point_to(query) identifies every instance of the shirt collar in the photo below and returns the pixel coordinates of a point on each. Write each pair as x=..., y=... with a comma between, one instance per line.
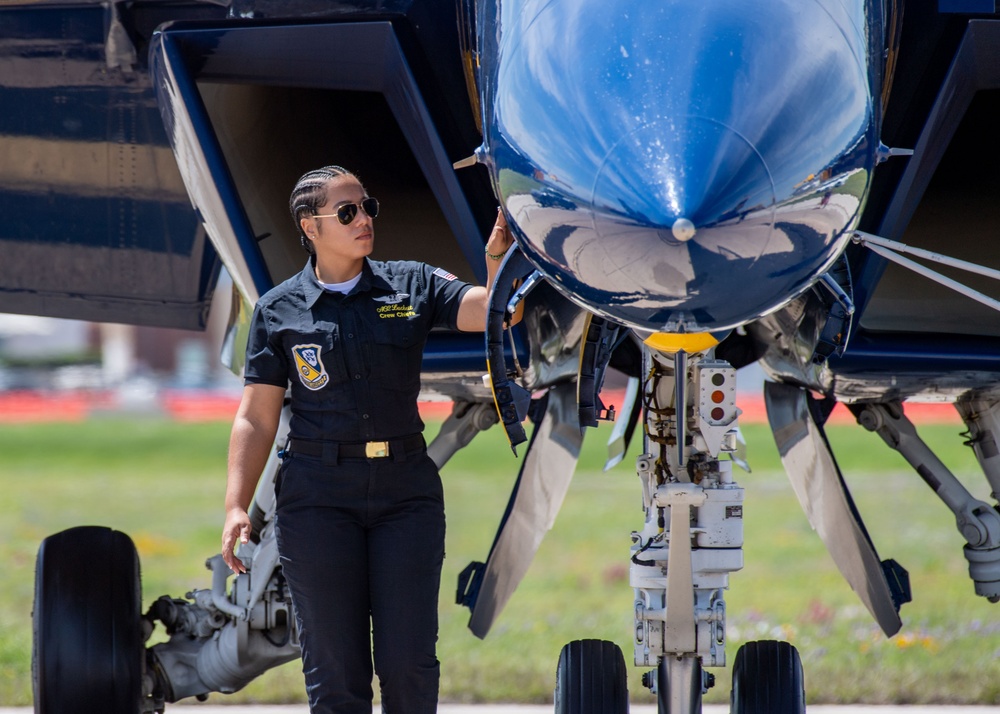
x=373, y=276
x=311, y=289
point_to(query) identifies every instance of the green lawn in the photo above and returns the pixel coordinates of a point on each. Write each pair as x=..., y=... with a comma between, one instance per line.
x=163, y=484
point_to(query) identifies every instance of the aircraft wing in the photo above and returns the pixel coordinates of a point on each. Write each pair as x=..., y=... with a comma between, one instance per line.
x=97, y=224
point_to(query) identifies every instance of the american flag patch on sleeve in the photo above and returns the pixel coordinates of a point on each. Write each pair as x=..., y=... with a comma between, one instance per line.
x=442, y=273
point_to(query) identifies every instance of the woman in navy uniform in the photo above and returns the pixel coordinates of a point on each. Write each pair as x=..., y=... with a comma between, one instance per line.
x=360, y=512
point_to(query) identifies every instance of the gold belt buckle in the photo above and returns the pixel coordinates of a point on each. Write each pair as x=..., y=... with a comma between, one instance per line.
x=376, y=449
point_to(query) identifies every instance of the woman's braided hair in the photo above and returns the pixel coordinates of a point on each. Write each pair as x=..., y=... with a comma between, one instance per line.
x=309, y=194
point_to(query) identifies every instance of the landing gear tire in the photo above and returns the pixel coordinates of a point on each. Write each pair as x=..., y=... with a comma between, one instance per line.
x=591, y=679
x=768, y=679
x=88, y=655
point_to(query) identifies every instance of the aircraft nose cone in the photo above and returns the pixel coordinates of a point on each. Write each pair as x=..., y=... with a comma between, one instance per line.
x=676, y=165
x=685, y=167
x=676, y=204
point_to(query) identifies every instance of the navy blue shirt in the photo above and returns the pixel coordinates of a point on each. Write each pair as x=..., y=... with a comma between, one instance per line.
x=353, y=360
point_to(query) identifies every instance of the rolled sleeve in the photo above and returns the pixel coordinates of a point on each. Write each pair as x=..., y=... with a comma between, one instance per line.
x=446, y=293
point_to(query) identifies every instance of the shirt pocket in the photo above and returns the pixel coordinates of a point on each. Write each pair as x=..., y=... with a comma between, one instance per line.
x=316, y=359
x=397, y=354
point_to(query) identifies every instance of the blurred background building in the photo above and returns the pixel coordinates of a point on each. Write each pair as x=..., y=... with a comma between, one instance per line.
x=44, y=353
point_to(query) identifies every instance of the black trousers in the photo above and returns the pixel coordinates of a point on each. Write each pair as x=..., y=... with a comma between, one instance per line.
x=361, y=543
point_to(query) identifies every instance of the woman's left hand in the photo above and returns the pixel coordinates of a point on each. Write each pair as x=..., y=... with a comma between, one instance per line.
x=473, y=308
x=500, y=238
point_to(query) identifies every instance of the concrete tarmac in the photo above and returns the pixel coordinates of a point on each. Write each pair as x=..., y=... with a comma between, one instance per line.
x=547, y=709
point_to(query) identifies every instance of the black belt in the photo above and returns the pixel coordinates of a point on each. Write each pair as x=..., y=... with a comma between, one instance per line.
x=364, y=450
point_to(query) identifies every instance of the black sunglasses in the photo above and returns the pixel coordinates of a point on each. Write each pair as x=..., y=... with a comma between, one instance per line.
x=347, y=213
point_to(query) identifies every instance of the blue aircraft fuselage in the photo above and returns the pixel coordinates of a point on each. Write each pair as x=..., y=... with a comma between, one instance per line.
x=682, y=166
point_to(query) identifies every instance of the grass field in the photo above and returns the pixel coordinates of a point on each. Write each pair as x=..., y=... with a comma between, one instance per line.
x=163, y=483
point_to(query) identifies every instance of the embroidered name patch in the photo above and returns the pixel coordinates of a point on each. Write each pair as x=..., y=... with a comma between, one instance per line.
x=310, y=367
x=397, y=310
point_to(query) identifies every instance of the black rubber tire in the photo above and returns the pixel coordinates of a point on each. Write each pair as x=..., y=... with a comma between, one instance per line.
x=591, y=679
x=88, y=655
x=768, y=679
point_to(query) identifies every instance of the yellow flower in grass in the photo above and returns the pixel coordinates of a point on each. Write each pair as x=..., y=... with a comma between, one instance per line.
x=149, y=544
x=906, y=640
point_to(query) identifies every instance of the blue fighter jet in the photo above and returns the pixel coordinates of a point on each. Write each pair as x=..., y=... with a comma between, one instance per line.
x=693, y=187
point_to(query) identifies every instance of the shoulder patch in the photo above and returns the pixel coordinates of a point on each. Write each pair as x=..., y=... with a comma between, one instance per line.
x=309, y=366
x=442, y=273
